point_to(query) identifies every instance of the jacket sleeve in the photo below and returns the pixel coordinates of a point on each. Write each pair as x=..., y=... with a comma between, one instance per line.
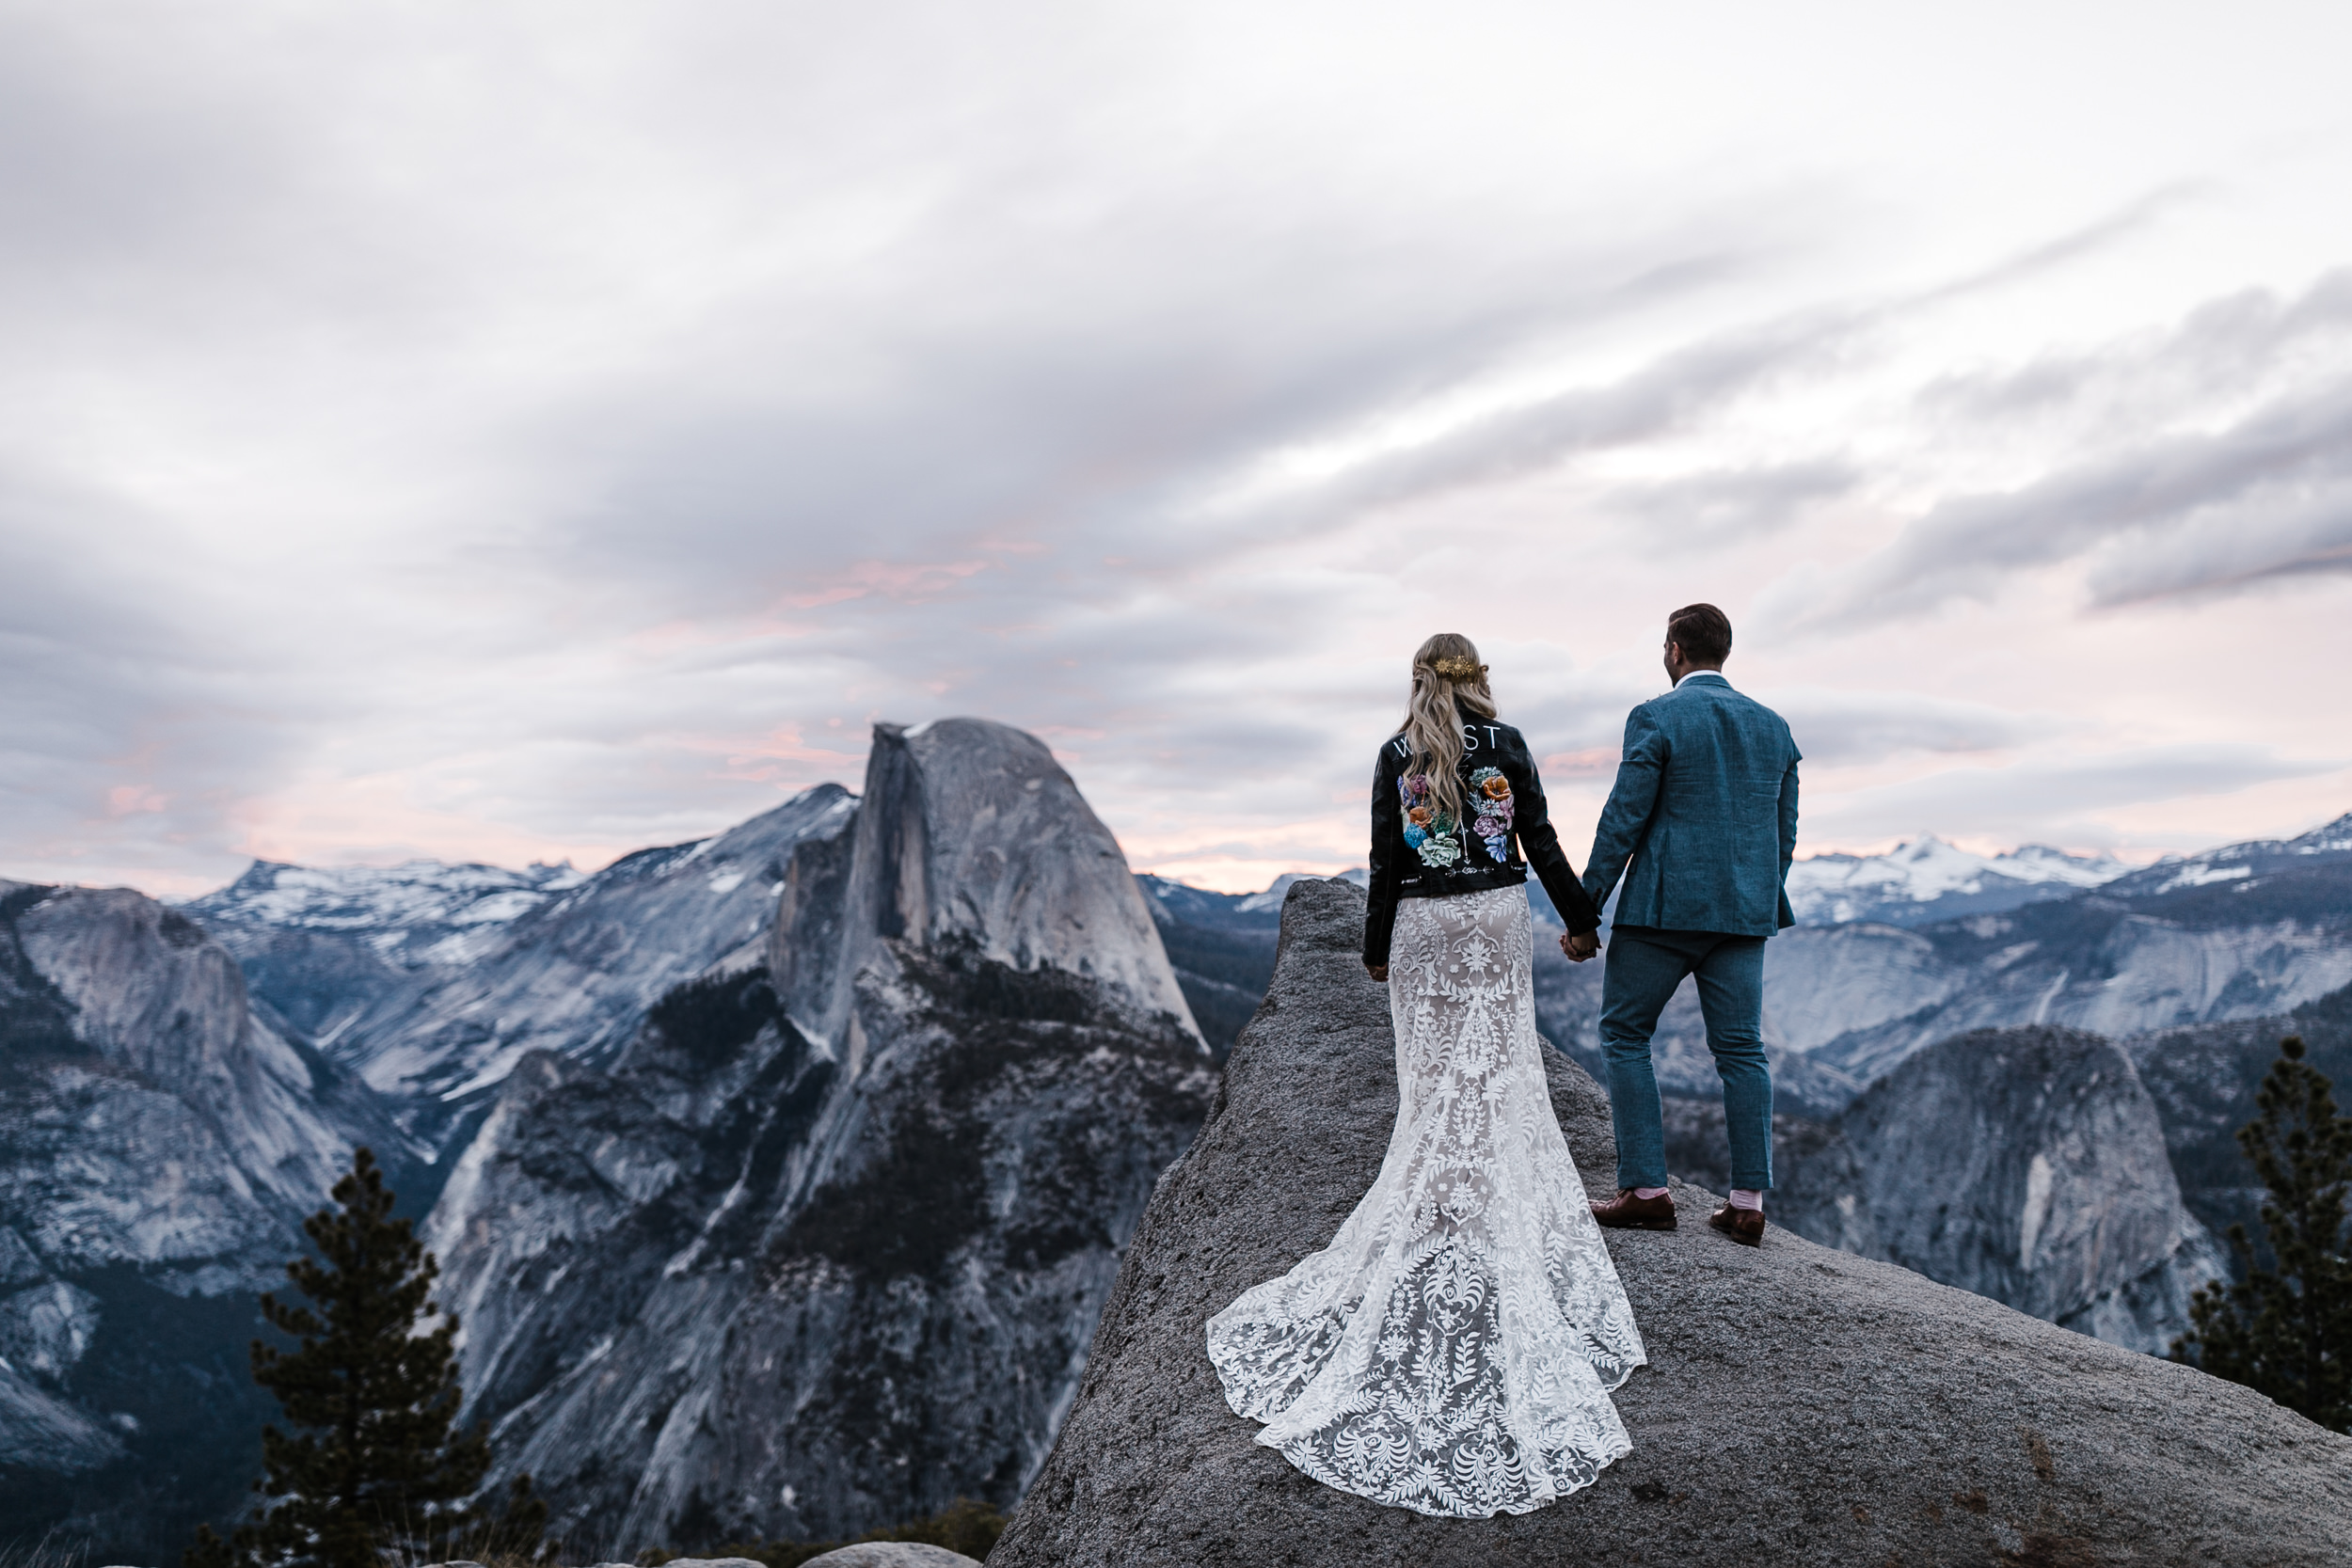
x=1631, y=799
x=1539, y=842
x=1787, y=833
x=1388, y=835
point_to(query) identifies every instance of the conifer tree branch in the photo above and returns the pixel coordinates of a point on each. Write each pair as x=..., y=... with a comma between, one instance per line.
x=374, y=1462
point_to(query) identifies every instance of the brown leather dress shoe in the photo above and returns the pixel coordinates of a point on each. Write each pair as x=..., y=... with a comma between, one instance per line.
x=1743, y=1225
x=1626, y=1213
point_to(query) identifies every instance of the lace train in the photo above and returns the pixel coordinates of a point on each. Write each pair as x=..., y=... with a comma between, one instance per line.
x=1452, y=1350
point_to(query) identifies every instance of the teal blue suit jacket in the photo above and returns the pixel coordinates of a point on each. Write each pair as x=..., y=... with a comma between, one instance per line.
x=1705, y=806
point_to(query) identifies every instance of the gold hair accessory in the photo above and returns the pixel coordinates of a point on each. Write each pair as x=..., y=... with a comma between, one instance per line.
x=1458, y=669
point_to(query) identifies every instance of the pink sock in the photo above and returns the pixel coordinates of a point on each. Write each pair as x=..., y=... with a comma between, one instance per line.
x=1649, y=1192
x=1742, y=1198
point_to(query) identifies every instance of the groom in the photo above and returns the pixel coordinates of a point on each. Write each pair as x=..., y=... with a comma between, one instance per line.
x=1705, y=807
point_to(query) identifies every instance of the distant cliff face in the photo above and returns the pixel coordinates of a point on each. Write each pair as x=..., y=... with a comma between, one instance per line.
x=2204, y=1080
x=326, y=944
x=1801, y=1405
x=2024, y=1165
x=160, y=1141
x=2241, y=933
x=433, y=992
x=825, y=1249
x=970, y=837
x=2236, y=933
x=147, y=994
x=1221, y=947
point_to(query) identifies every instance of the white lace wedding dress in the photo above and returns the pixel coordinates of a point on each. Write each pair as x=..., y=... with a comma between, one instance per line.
x=1452, y=1350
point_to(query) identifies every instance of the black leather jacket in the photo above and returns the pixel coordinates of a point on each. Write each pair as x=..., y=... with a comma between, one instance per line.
x=1417, y=854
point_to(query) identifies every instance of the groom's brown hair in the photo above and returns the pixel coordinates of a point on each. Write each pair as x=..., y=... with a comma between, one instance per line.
x=1703, y=631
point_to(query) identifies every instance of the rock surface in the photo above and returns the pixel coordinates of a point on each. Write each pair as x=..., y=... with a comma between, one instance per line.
x=151, y=1003
x=160, y=1141
x=45, y=1435
x=573, y=972
x=822, y=1252
x=970, y=836
x=1802, y=1404
x=326, y=944
x=2238, y=933
x=2204, y=1081
x=1221, y=945
x=892, y=1554
x=2024, y=1165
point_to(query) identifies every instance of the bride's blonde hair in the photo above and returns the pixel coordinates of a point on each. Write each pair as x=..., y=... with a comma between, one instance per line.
x=1446, y=673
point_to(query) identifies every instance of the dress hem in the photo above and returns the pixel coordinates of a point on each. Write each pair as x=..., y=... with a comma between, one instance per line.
x=1339, y=1483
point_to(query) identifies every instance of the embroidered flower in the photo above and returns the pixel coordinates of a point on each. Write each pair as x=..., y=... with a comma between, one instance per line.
x=1431, y=834
x=1493, y=799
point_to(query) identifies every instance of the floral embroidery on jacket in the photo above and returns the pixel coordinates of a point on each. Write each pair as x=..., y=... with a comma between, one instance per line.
x=1490, y=801
x=1432, y=833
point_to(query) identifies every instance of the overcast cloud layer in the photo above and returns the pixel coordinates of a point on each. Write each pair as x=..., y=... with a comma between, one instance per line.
x=510, y=431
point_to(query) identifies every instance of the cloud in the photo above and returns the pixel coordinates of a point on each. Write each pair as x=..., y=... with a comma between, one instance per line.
x=2266, y=494
x=2293, y=520
x=494, y=430
x=2032, y=798
x=1745, y=501
x=2103, y=234
x=1662, y=398
x=1836, y=727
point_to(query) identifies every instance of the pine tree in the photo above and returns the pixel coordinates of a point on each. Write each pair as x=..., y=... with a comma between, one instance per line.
x=2286, y=1331
x=376, y=1462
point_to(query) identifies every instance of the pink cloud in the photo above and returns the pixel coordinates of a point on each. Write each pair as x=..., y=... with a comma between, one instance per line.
x=123, y=799
x=1593, y=762
x=908, y=583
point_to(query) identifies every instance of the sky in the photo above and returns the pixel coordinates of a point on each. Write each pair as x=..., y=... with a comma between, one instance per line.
x=514, y=432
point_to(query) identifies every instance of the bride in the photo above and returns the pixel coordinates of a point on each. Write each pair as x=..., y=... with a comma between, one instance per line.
x=1452, y=1350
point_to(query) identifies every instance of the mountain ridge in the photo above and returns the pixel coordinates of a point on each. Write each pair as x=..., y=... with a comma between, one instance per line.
x=439, y=982
x=161, y=1137
x=1928, y=878
x=573, y=972
x=822, y=1249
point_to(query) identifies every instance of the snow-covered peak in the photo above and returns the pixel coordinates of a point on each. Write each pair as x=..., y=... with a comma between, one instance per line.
x=2233, y=862
x=2038, y=862
x=1929, y=878
x=1920, y=868
x=2335, y=838
x=370, y=898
